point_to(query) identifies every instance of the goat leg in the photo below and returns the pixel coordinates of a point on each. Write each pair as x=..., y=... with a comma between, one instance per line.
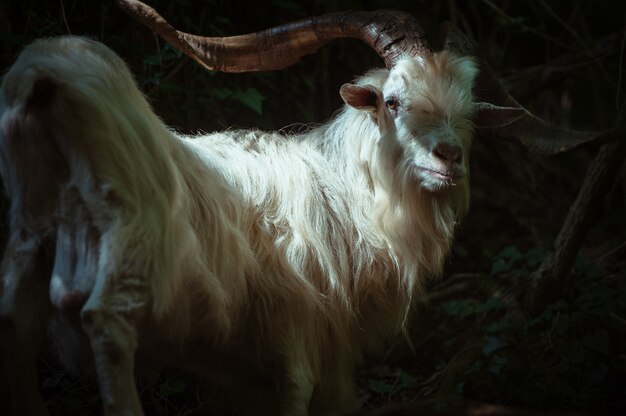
x=338, y=393
x=109, y=318
x=24, y=307
x=298, y=382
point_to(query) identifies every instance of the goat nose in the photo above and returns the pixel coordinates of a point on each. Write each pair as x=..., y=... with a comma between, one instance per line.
x=448, y=152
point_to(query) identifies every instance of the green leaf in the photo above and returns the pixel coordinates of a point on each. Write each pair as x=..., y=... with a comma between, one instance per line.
x=380, y=387
x=535, y=256
x=510, y=252
x=459, y=387
x=166, y=54
x=221, y=93
x=505, y=260
x=251, y=98
x=464, y=308
x=499, y=266
x=460, y=308
x=171, y=87
x=498, y=326
x=405, y=380
x=474, y=367
x=172, y=387
x=493, y=344
x=497, y=362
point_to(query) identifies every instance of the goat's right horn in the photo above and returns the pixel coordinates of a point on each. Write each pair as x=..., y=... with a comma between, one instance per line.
x=391, y=33
x=500, y=115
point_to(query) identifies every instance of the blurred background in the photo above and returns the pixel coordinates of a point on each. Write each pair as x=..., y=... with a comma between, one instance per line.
x=563, y=59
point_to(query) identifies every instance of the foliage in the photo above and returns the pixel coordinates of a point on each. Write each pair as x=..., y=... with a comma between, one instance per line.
x=561, y=358
x=569, y=357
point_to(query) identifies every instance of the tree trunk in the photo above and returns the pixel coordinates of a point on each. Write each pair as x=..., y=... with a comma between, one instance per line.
x=552, y=280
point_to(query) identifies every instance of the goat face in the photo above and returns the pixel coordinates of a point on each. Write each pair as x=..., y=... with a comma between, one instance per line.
x=430, y=99
x=425, y=106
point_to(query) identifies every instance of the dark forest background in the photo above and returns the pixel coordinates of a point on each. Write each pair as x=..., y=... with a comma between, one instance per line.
x=562, y=59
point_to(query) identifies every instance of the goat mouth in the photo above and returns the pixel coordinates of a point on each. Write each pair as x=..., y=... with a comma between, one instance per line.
x=447, y=176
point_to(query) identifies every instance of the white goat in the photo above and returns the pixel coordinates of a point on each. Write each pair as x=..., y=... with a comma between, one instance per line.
x=243, y=251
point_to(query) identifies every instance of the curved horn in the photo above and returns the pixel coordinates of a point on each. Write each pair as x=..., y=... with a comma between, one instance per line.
x=501, y=115
x=391, y=33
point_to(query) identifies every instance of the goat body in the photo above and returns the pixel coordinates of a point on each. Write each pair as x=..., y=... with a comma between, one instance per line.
x=295, y=255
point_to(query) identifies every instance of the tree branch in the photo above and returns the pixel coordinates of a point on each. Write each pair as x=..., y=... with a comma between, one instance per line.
x=552, y=279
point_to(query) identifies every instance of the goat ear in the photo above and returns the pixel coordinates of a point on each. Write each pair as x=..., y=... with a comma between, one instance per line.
x=362, y=97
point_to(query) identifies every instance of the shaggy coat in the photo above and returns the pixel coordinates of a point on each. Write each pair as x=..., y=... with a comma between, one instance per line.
x=254, y=258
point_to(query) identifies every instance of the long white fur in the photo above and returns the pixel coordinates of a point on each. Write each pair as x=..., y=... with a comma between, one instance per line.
x=301, y=250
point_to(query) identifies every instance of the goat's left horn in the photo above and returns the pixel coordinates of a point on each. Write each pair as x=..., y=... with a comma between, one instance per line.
x=391, y=33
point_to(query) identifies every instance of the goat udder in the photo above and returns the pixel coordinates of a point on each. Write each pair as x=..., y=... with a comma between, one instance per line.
x=73, y=301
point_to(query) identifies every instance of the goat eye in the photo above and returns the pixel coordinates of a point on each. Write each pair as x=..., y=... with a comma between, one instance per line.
x=392, y=104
